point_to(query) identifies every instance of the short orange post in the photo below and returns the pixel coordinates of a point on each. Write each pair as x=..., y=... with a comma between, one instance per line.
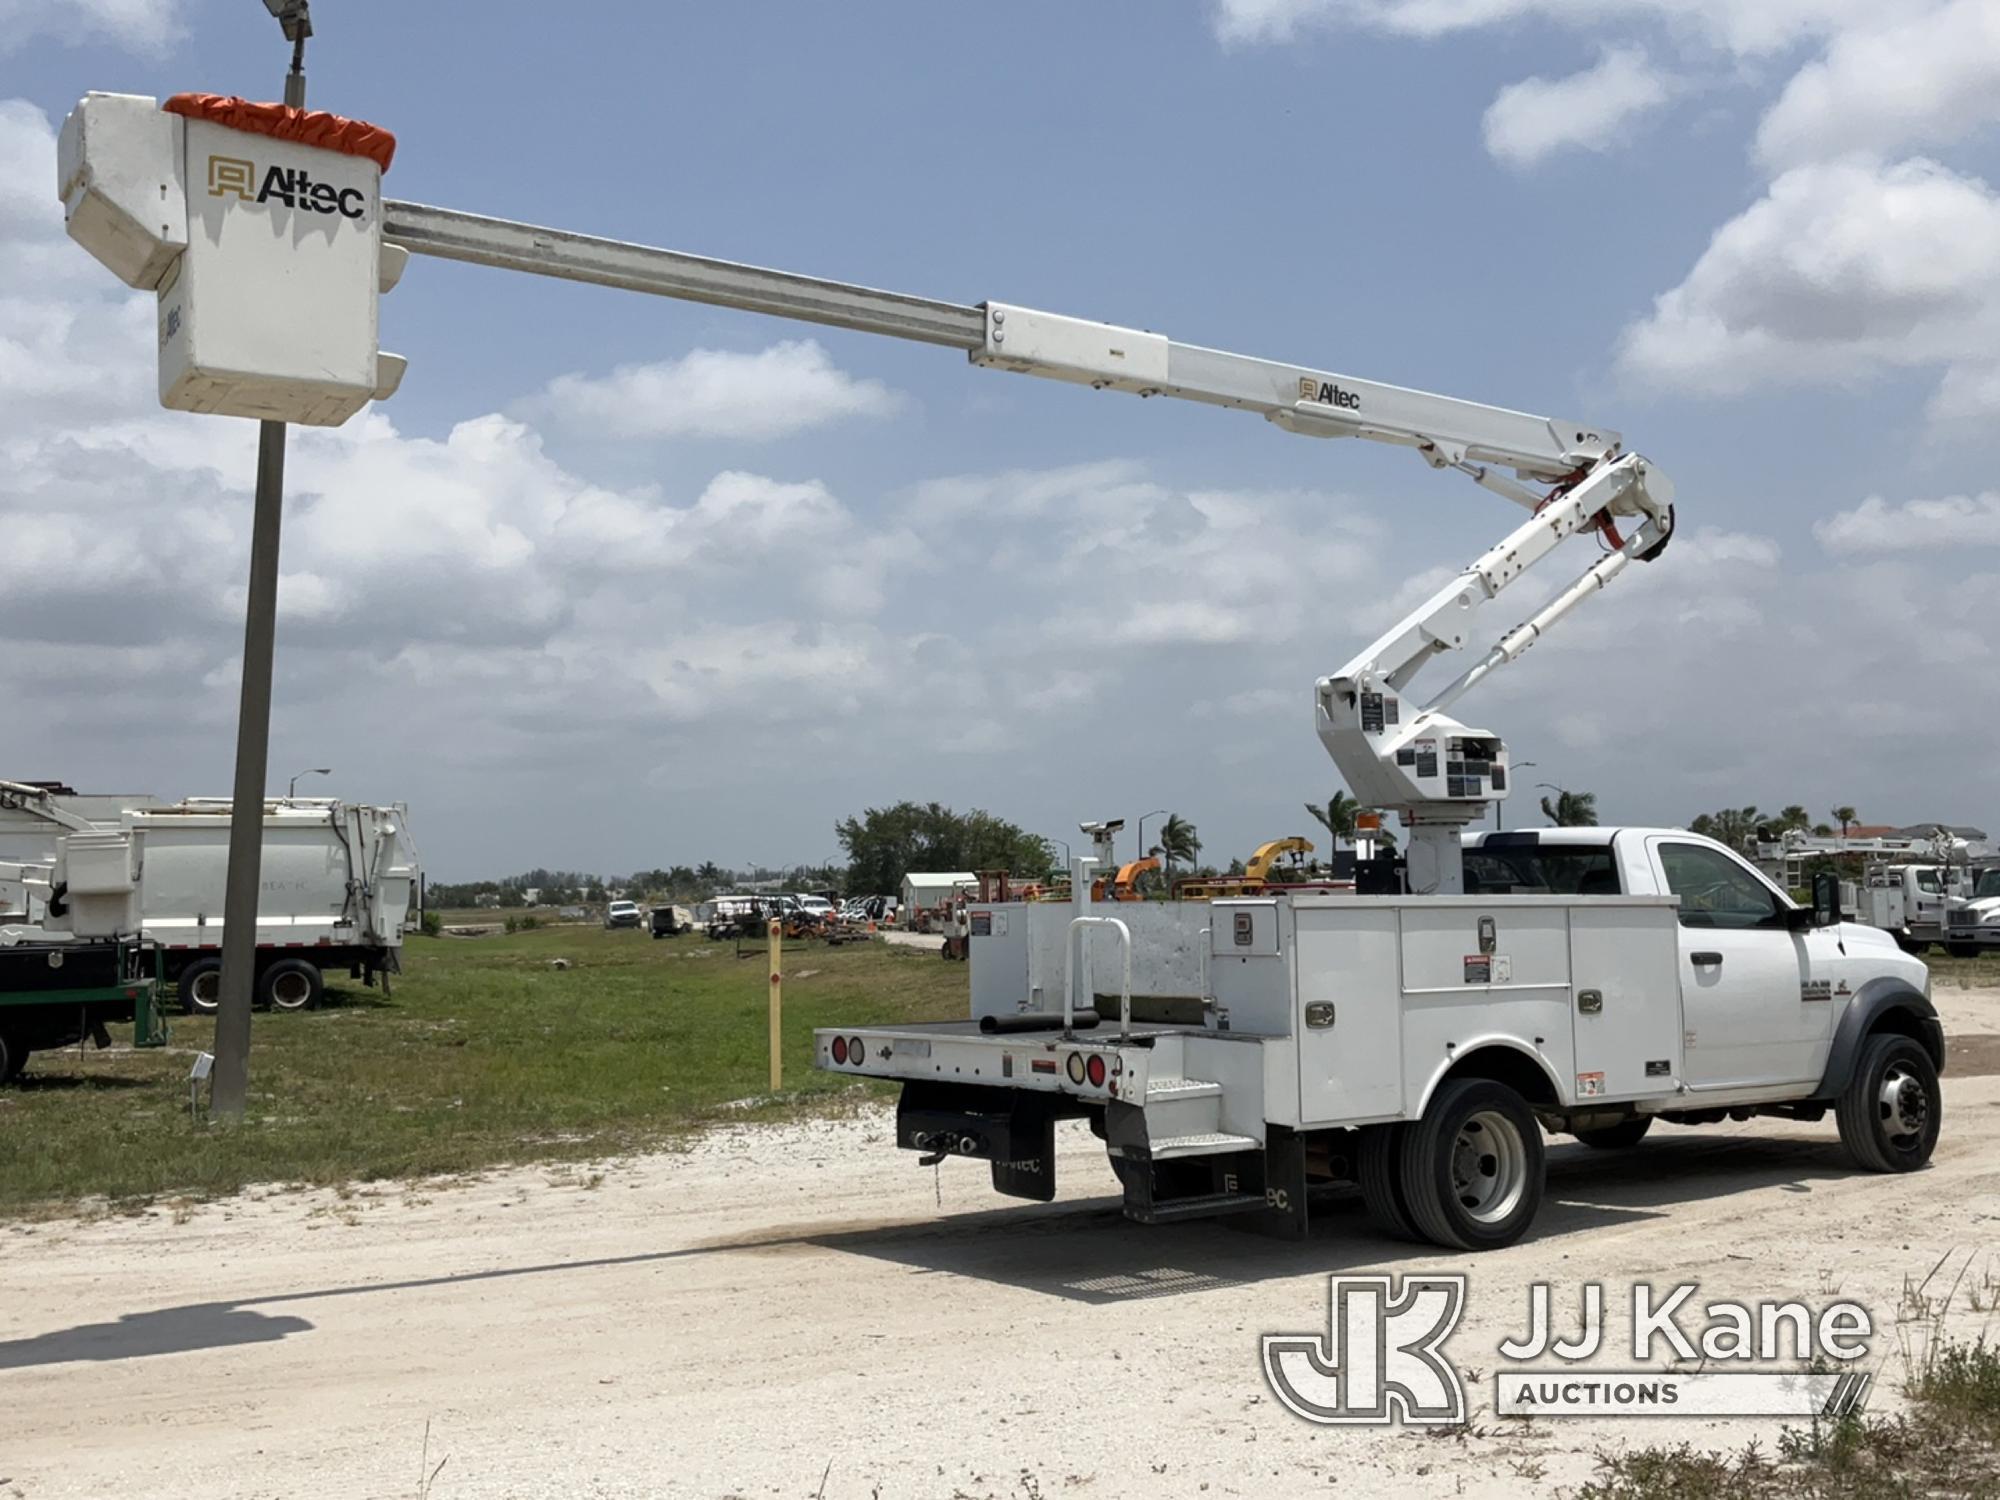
x=777, y=934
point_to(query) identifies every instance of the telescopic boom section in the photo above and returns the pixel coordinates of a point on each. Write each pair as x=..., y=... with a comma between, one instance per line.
x=1315, y=403
x=1435, y=772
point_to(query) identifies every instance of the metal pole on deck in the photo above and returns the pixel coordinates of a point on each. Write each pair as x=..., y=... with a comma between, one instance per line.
x=231, y=1082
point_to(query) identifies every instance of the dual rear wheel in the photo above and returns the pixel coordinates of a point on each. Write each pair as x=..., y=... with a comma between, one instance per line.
x=1468, y=1175
x=288, y=984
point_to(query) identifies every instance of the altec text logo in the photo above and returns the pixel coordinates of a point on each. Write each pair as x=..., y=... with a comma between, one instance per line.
x=290, y=186
x=1326, y=393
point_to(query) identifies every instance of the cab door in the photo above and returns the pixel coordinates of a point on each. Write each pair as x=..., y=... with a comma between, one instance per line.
x=1749, y=1023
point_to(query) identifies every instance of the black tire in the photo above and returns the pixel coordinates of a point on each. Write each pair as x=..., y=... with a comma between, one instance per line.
x=1962, y=950
x=1473, y=1167
x=200, y=986
x=1620, y=1137
x=1378, y=1168
x=13, y=1058
x=1891, y=1109
x=291, y=984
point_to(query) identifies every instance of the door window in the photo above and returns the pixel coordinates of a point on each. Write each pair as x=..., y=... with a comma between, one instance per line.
x=1715, y=890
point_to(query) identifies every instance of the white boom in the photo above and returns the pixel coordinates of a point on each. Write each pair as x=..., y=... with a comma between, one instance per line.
x=1432, y=770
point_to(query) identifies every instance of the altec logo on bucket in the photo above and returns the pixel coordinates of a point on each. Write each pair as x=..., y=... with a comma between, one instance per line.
x=290, y=186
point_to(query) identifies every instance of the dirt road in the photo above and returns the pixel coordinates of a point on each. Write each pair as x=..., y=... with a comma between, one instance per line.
x=800, y=1311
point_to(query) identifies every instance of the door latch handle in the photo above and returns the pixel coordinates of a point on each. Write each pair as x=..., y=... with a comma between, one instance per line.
x=1590, y=1002
x=1319, y=1014
x=1706, y=960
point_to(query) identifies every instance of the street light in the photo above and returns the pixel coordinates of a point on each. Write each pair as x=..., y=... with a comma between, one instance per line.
x=1068, y=860
x=1158, y=812
x=1500, y=803
x=292, y=787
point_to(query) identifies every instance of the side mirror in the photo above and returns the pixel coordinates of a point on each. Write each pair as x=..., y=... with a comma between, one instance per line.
x=1826, y=899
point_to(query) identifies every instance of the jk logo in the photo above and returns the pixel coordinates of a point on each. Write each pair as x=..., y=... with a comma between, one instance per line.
x=1379, y=1360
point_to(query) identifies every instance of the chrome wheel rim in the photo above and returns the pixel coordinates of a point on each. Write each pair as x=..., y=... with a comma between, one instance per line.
x=1903, y=1105
x=290, y=991
x=1489, y=1167
x=204, y=992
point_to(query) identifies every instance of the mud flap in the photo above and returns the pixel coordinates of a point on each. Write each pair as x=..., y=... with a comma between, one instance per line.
x=1032, y=1176
x=1283, y=1216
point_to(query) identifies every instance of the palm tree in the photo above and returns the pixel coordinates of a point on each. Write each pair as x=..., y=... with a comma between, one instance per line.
x=1846, y=817
x=1178, y=841
x=1337, y=816
x=1571, y=809
x=1794, y=817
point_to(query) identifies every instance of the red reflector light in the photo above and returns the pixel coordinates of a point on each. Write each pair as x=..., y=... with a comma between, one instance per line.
x=1095, y=1068
x=840, y=1049
x=1043, y=1064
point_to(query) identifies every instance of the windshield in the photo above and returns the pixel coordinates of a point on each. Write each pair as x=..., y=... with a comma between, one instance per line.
x=1989, y=884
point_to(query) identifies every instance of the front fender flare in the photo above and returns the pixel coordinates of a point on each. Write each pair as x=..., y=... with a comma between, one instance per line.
x=1874, y=1000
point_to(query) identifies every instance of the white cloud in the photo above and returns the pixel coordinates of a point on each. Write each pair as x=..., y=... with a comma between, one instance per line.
x=1592, y=110
x=1747, y=27
x=1840, y=271
x=1926, y=78
x=788, y=388
x=1968, y=393
x=139, y=25
x=1875, y=525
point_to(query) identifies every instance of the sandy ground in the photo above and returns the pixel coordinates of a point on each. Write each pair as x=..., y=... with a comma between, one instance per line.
x=801, y=1310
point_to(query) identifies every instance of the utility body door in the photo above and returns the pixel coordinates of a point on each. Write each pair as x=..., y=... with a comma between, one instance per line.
x=1750, y=1023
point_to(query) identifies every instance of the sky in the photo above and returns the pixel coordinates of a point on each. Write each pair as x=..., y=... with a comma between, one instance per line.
x=615, y=582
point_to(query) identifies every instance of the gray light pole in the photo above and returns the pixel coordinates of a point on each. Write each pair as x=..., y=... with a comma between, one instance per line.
x=1068, y=859
x=292, y=786
x=230, y=1082
x=1158, y=812
x=1500, y=803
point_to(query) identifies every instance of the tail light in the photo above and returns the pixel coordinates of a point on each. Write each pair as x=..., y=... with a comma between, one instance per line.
x=1076, y=1068
x=1095, y=1068
x=839, y=1049
x=856, y=1053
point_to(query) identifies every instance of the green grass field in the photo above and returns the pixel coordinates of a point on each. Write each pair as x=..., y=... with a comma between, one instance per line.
x=483, y=1055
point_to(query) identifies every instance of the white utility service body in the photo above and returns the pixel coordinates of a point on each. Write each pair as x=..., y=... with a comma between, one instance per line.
x=1320, y=1016
x=337, y=884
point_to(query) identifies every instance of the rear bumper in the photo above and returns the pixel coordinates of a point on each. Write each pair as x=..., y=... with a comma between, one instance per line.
x=958, y=1053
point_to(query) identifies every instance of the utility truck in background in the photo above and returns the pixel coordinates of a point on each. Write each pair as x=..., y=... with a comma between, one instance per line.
x=84, y=965
x=1417, y=1035
x=338, y=884
x=1910, y=888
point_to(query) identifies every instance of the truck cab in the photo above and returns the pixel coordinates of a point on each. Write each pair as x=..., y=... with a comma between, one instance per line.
x=1586, y=982
x=1972, y=926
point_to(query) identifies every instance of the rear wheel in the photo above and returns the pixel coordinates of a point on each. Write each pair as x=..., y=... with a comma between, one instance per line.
x=1622, y=1136
x=1891, y=1109
x=1962, y=950
x=1378, y=1167
x=201, y=986
x=292, y=984
x=13, y=1057
x=1473, y=1166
